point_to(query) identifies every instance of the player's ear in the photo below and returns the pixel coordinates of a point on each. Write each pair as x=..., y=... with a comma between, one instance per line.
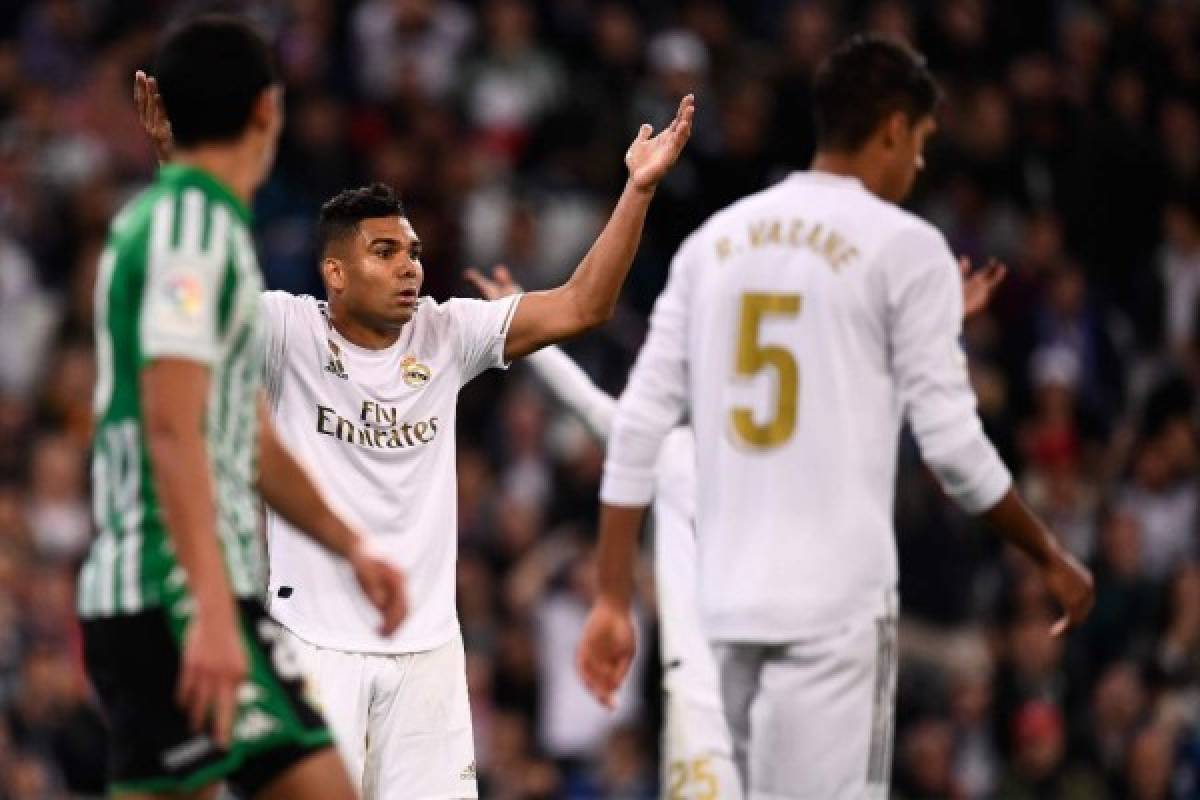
x=333, y=272
x=267, y=113
x=896, y=129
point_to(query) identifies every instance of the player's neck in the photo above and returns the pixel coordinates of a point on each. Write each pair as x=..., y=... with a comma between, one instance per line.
x=227, y=164
x=359, y=333
x=851, y=165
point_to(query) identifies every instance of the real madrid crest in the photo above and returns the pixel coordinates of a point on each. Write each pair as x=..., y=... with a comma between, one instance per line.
x=415, y=373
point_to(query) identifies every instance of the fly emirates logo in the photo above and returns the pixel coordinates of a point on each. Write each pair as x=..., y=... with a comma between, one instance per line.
x=376, y=428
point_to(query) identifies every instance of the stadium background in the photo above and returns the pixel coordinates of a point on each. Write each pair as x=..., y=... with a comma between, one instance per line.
x=1070, y=147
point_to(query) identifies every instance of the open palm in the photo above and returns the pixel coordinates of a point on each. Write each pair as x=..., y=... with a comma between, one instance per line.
x=649, y=157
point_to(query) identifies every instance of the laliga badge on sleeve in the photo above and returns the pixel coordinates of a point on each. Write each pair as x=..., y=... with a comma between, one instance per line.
x=415, y=373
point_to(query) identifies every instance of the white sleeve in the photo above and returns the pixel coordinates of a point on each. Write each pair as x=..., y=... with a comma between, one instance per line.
x=567, y=381
x=274, y=312
x=183, y=282
x=924, y=312
x=482, y=327
x=655, y=399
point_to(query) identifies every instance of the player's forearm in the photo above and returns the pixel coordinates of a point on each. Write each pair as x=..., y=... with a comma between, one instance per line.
x=574, y=389
x=596, y=282
x=286, y=487
x=1016, y=524
x=616, y=552
x=183, y=483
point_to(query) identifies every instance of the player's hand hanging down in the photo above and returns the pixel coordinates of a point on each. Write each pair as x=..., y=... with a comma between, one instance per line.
x=213, y=667
x=383, y=585
x=153, y=114
x=649, y=157
x=606, y=650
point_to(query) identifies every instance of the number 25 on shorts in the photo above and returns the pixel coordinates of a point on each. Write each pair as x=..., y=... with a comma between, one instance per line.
x=692, y=780
x=752, y=357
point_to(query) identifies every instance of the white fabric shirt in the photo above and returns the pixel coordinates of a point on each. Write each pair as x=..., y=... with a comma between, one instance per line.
x=799, y=328
x=375, y=428
x=688, y=665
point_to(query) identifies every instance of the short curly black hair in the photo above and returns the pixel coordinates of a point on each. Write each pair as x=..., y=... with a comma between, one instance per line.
x=211, y=70
x=341, y=214
x=862, y=82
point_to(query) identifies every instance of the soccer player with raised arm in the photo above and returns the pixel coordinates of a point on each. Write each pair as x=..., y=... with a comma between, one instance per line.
x=799, y=329
x=198, y=684
x=365, y=390
x=697, y=748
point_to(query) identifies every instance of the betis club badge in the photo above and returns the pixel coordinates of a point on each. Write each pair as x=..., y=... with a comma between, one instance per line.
x=414, y=372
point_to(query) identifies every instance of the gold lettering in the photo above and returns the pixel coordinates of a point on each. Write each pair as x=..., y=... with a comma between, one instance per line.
x=433, y=421
x=367, y=408
x=419, y=431
x=724, y=248
x=389, y=416
x=394, y=439
x=814, y=237
x=756, y=233
x=794, y=232
x=345, y=430
x=775, y=232
x=379, y=434
x=405, y=429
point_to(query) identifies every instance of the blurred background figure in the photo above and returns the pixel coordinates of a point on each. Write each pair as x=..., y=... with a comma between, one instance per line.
x=1070, y=145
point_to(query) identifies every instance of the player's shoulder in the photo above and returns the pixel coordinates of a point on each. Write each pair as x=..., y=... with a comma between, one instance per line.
x=279, y=306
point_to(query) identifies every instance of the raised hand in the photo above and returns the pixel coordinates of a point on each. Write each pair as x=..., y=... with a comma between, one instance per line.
x=153, y=114
x=979, y=284
x=606, y=651
x=501, y=284
x=649, y=157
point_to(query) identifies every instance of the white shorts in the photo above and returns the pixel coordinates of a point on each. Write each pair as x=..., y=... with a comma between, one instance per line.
x=402, y=722
x=697, y=751
x=813, y=719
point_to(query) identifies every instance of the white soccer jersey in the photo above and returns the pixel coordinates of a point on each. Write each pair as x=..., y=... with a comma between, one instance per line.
x=800, y=327
x=376, y=429
x=688, y=666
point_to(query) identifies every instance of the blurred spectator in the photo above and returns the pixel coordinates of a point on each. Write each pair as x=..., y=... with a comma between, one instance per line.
x=1040, y=767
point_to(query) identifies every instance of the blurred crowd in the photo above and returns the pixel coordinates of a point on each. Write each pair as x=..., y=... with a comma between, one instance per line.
x=1069, y=147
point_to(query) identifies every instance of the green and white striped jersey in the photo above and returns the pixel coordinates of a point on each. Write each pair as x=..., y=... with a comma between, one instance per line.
x=178, y=279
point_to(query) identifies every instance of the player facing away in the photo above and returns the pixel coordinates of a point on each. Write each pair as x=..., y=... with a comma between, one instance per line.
x=364, y=388
x=198, y=685
x=697, y=748
x=799, y=329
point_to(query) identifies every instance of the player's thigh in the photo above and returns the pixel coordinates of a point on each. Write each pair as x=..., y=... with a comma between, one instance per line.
x=697, y=751
x=320, y=776
x=822, y=722
x=339, y=684
x=419, y=734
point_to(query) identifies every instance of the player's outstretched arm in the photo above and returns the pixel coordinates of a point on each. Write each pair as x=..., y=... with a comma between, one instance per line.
x=562, y=376
x=173, y=393
x=589, y=297
x=287, y=488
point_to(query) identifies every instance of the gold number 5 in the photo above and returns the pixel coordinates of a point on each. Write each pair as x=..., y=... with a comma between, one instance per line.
x=753, y=358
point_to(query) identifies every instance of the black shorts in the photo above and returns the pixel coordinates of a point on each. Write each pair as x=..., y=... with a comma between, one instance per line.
x=133, y=661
